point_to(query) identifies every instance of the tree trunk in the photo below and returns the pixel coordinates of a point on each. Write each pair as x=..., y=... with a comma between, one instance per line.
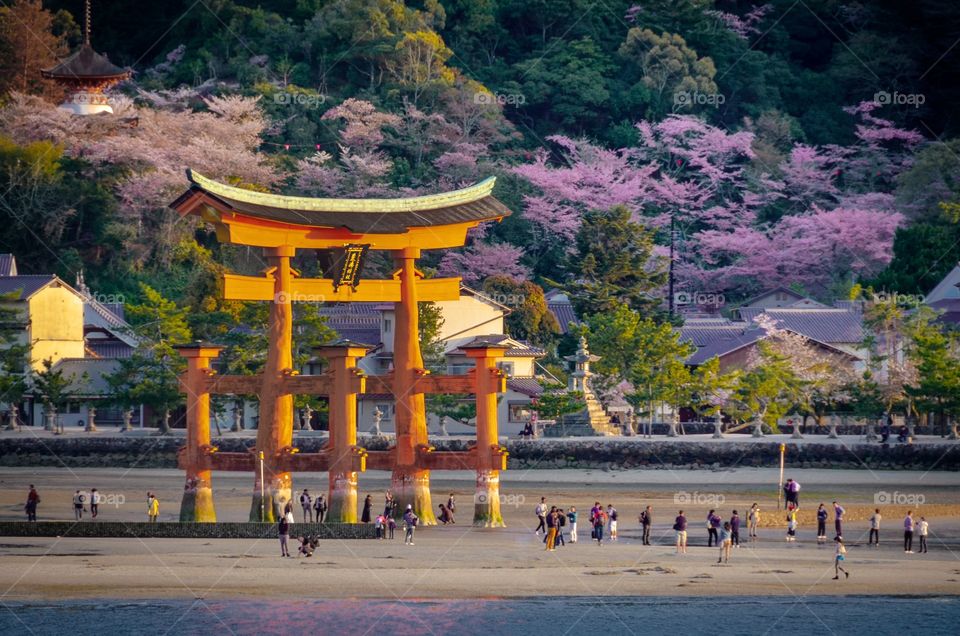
x=164, y=428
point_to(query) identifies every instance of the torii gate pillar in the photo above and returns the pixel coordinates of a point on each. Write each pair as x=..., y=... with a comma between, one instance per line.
x=491, y=457
x=197, y=502
x=410, y=481
x=276, y=406
x=342, y=472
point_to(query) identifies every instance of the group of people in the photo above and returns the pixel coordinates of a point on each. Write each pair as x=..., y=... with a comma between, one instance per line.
x=313, y=509
x=80, y=502
x=553, y=521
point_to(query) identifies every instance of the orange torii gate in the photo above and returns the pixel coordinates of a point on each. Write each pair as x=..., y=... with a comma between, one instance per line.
x=280, y=225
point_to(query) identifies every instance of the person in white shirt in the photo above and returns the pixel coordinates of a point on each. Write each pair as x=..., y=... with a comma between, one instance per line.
x=875, y=528
x=923, y=529
x=541, y=516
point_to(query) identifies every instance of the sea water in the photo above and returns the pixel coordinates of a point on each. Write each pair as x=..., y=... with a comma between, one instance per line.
x=545, y=615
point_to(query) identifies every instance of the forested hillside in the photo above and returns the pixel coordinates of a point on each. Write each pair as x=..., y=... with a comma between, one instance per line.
x=818, y=152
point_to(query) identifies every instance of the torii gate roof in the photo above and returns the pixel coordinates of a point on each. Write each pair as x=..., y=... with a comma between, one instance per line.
x=469, y=205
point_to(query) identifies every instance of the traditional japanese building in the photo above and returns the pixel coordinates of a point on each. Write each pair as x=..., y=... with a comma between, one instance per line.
x=86, y=74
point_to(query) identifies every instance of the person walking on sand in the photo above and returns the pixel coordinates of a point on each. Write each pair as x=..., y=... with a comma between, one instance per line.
x=379, y=526
x=283, y=532
x=874, y=529
x=572, y=518
x=839, y=557
x=838, y=518
x=391, y=527
x=792, y=524
x=923, y=528
x=822, y=523
x=94, y=503
x=367, y=505
x=451, y=504
x=612, y=520
x=153, y=508
x=713, y=528
x=551, y=525
x=541, y=512
x=319, y=508
x=388, y=504
x=410, y=524
x=908, y=533
x=753, y=518
x=78, y=499
x=646, y=520
x=735, y=530
x=561, y=522
x=33, y=499
x=599, y=521
x=725, y=543
x=680, y=527
x=791, y=492
x=306, y=503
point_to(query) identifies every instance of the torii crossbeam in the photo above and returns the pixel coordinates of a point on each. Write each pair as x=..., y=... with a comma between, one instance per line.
x=281, y=225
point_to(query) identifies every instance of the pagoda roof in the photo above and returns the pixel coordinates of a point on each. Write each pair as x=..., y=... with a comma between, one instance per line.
x=472, y=204
x=86, y=63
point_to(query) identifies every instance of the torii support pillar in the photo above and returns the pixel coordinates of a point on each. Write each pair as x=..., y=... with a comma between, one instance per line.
x=410, y=482
x=197, y=502
x=275, y=431
x=342, y=472
x=491, y=456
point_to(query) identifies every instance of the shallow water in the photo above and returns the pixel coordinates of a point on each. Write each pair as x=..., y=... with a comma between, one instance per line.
x=487, y=617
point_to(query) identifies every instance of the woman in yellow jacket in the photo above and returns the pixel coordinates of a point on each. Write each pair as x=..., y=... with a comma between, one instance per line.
x=153, y=507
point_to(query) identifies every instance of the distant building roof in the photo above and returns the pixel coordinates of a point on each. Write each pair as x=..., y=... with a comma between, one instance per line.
x=947, y=288
x=724, y=346
x=832, y=326
x=951, y=311
x=86, y=64
x=26, y=285
x=108, y=349
x=558, y=303
x=516, y=348
x=8, y=265
x=527, y=386
x=96, y=370
x=790, y=296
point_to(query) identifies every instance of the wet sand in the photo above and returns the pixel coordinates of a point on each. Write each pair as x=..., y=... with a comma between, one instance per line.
x=460, y=561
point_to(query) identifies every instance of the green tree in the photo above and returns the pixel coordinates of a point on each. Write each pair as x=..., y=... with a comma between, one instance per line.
x=529, y=319
x=150, y=375
x=565, y=85
x=670, y=73
x=14, y=356
x=556, y=401
x=767, y=389
x=612, y=263
x=936, y=354
x=54, y=387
